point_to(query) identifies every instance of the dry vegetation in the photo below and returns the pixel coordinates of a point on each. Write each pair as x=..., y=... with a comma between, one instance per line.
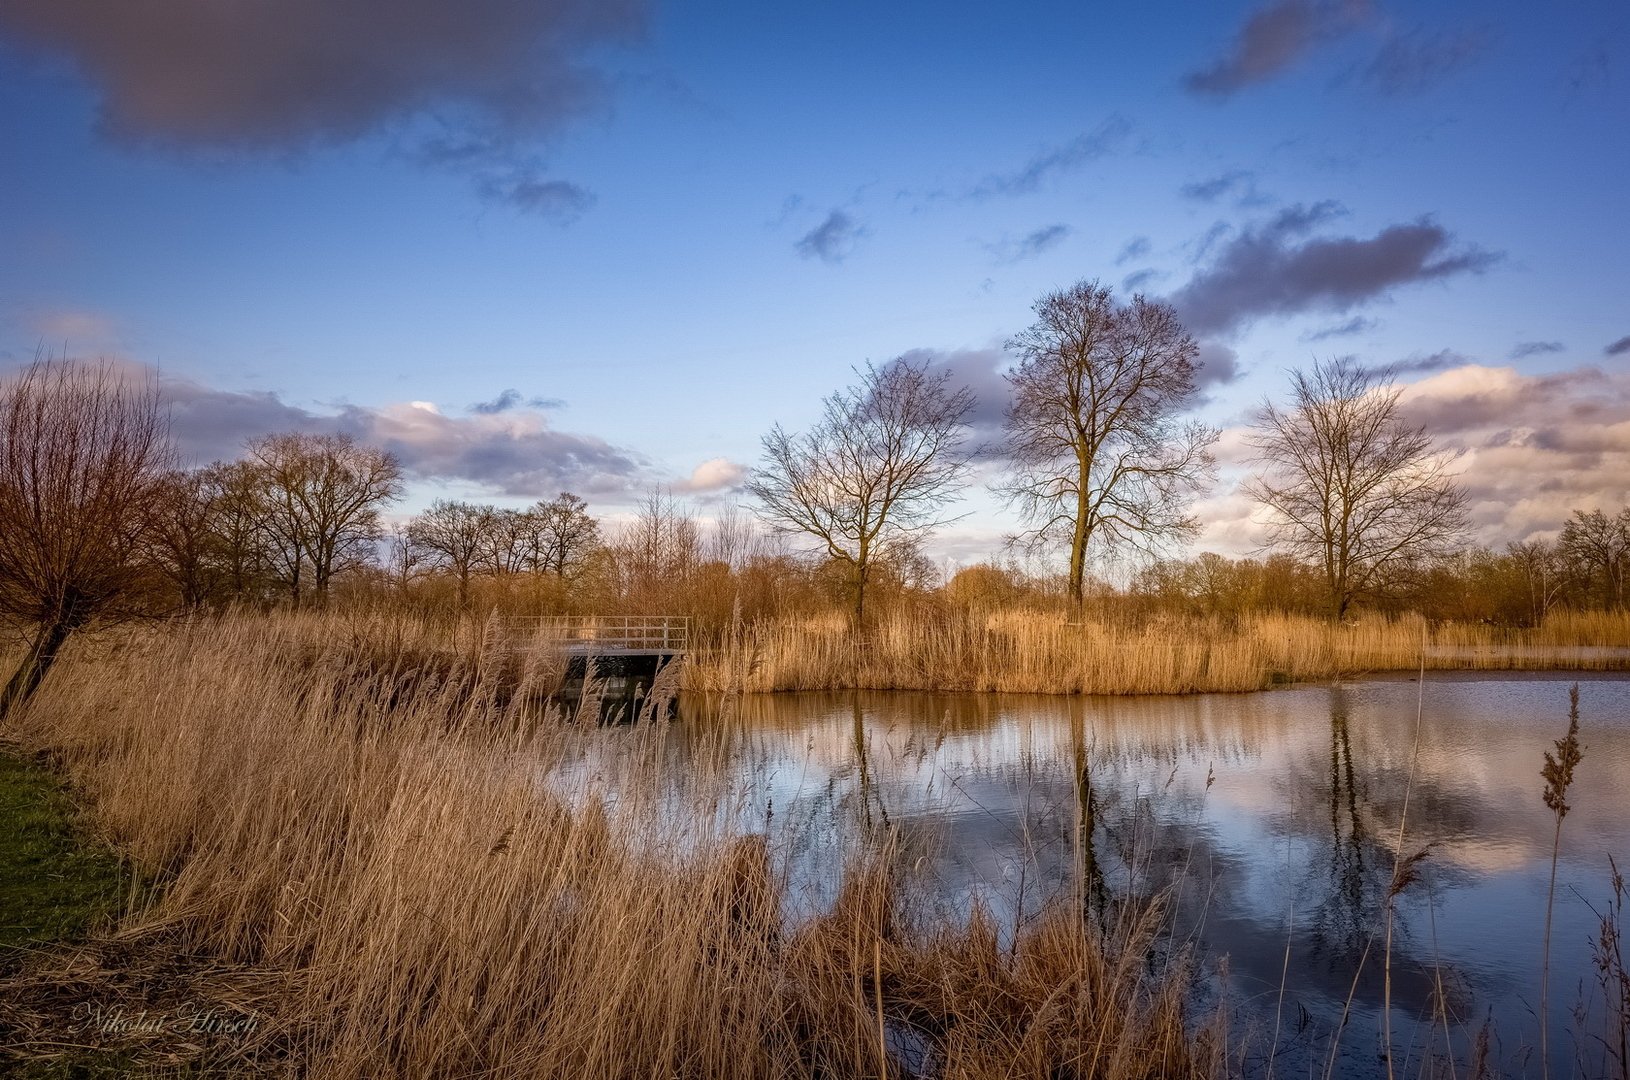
x=351, y=823
x=1019, y=651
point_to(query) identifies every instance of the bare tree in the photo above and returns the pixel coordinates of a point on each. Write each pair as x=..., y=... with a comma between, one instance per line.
x=560, y=535
x=321, y=500
x=452, y=536
x=876, y=470
x=1600, y=546
x=1351, y=487
x=82, y=453
x=181, y=519
x=239, y=535
x=1097, y=449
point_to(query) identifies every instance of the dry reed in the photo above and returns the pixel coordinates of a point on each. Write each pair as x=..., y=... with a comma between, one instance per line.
x=393, y=831
x=1019, y=651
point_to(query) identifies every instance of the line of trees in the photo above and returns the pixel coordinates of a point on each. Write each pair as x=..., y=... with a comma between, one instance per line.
x=1098, y=456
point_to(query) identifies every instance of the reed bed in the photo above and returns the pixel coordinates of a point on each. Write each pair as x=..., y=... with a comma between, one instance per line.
x=1018, y=651
x=394, y=833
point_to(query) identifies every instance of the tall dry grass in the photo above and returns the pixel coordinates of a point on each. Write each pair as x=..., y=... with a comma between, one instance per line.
x=1020, y=651
x=396, y=831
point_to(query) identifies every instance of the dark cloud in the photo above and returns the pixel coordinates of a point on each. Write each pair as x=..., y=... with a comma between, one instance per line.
x=500, y=404
x=980, y=370
x=1136, y=248
x=528, y=191
x=1030, y=245
x=1619, y=347
x=1535, y=348
x=1137, y=280
x=1428, y=363
x=1273, y=39
x=1358, y=324
x=1414, y=62
x=511, y=399
x=1086, y=147
x=833, y=239
x=1274, y=269
x=471, y=86
x=1239, y=185
x=1218, y=365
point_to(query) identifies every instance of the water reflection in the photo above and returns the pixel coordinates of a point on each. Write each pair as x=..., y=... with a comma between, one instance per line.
x=1272, y=817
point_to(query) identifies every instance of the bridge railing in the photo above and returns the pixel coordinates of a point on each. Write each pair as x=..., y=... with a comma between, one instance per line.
x=608, y=633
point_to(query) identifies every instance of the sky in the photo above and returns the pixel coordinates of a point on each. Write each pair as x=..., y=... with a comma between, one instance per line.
x=602, y=245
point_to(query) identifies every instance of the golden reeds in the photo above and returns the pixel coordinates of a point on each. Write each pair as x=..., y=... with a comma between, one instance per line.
x=414, y=852
x=1018, y=651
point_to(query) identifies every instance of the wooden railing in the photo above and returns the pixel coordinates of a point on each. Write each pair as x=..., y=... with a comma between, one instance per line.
x=606, y=633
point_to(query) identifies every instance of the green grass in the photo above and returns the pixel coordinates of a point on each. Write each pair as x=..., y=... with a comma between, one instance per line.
x=55, y=880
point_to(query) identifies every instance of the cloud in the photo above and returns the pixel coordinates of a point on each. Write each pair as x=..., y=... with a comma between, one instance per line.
x=488, y=78
x=1218, y=365
x=833, y=239
x=1618, y=348
x=1533, y=448
x=1414, y=62
x=1030, y=245
x=526, y=190
x=1274, y=269
x=715, y=474
x=1535, y=348
x=513, y=452
x=71, y=328
x=1084, y=148
x=1358, y=324
x=1536, y=447
x=1137, y=279
x=1272, y=40
x=1240, y=184
x=509, y=400
x=980, y=370
x=1423, y=364
x=1136, y=248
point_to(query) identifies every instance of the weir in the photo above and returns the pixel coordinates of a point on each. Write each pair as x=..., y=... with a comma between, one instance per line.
x=619, y=658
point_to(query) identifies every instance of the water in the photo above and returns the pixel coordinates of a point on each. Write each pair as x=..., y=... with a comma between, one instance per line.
x=1277, y=816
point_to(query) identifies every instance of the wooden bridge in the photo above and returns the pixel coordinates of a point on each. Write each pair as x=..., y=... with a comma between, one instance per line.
x=618, y=658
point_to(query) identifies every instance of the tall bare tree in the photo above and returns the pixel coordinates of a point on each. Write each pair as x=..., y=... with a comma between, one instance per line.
x=1352, y=487
x=322, y=495
x=83, y=452
x=1097, y=447
x=877, y=469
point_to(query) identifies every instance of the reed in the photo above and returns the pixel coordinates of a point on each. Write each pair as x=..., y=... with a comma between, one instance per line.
x=436, y=876
x=1024, y=651
x=1032, y=652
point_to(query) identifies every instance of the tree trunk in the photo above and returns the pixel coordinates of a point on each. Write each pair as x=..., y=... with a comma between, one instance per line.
x=1078, y=546
x=861, y=573
x=36, y=662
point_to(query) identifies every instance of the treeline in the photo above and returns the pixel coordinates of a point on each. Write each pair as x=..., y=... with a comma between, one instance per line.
x=301, y=520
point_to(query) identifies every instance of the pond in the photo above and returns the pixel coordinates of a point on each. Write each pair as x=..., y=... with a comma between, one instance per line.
x=1274, y=817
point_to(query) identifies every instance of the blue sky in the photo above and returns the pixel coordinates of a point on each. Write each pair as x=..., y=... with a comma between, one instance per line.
x=669, y=225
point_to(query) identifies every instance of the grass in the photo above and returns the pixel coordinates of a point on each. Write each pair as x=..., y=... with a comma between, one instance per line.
x=392, y=864
x=56, y=881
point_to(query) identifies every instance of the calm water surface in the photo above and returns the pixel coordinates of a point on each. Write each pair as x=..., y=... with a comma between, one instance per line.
x=1275, y=814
